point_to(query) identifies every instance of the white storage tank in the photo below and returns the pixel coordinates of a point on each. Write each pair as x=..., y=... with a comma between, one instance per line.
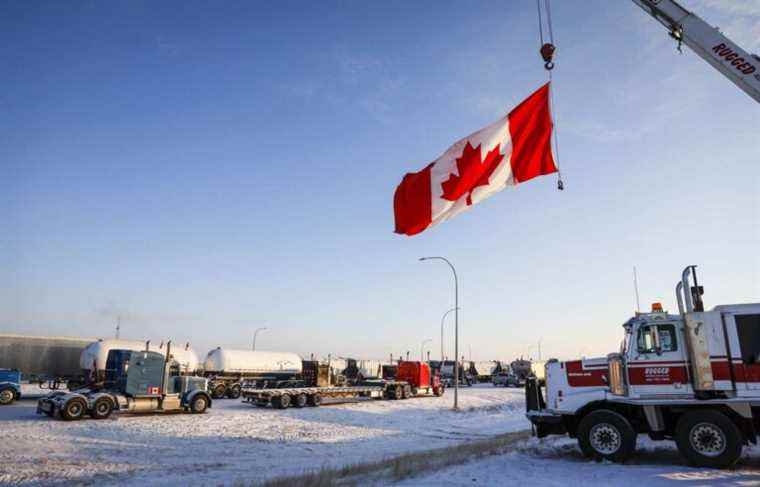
x=96, y=353
x=225, y=360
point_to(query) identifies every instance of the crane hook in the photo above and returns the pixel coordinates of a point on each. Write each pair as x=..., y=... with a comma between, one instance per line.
x=547, y=53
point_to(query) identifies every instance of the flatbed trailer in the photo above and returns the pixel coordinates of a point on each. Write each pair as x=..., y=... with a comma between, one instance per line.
x=281, y=398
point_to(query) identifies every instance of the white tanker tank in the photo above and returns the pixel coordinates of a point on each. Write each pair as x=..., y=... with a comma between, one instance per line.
x=227, y=361
x=227, y=368
x=94, y=356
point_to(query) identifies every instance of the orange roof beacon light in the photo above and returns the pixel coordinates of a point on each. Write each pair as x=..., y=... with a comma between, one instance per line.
x=657, y=308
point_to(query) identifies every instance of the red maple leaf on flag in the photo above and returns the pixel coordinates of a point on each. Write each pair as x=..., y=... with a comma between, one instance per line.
x=472, y=172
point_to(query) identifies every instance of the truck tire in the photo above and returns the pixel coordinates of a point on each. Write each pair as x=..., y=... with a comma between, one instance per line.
x=7, y=396
x=74, y=409
x=234, y=392
x=606, y=435
x=218, y=391
x=199, y=404
x=708, y=438
x=407, y=391
x=281, y=402
x=300, y=400
x=414, y=391
x=398, y=393
x=315, y=400
x=102, y=409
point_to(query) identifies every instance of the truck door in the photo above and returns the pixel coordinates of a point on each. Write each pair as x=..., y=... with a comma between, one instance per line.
x=745, y=357
x=657, y=361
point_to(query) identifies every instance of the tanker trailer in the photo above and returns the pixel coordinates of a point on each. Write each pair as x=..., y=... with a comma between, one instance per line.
x=93, y=358
x=226, y=369
x=48, y=361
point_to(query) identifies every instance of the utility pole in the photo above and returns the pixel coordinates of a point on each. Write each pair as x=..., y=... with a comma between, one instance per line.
x=443, y=320
x=456, y=327
x=118, y=326
x=254, y=336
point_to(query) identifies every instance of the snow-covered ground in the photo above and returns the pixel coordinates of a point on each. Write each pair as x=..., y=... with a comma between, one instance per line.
x=237, y=442
x=558, y=462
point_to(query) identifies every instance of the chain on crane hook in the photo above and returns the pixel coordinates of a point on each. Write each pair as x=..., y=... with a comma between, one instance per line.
x=547, y=53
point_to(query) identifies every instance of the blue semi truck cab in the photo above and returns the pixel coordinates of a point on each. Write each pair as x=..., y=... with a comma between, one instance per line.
x=10, y=386
x=135, y=381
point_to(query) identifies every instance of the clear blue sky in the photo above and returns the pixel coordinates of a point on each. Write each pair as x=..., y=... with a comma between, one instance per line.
x=204, y=169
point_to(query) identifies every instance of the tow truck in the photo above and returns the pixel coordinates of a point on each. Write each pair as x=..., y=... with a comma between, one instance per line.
x=135, y=381
x=693, y=377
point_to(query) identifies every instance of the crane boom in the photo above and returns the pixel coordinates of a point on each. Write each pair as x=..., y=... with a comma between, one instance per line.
x=708, y=42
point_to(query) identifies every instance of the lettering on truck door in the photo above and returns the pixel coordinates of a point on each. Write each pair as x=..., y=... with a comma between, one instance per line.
x=658, y=370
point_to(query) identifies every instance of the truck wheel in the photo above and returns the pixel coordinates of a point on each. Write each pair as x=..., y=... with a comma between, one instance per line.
x=199, y=404
x=218, y=391
x=398, y=393
x=7, y=396
x=234, y=392
x=414, y=391
x=407, y=391
x=102, y=409
x=73, y=409
x=300, y=401
x=708, y=439
x=606, y=435
x=314, y=400
x=281, y=402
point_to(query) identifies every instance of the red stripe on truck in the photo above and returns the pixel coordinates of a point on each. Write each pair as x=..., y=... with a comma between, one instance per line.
x=578, y=376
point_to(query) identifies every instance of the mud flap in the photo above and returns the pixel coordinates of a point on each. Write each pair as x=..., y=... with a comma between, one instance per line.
x=534, y=399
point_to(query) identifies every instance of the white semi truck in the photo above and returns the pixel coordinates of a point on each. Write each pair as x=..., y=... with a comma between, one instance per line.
x=693, y=377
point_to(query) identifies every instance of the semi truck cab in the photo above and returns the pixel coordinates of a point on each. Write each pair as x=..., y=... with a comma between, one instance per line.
x=135, y=381
x=693, y=377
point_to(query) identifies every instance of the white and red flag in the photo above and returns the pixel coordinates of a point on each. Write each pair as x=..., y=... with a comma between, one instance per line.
x=510, y=151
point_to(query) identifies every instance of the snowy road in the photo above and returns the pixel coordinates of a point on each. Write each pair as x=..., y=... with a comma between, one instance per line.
x=557, y=462
x=238, y=442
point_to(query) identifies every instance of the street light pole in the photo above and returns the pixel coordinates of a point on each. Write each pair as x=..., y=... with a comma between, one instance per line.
x=256, y=333
x=443, y=320
x=422, y=349
x=456, y=327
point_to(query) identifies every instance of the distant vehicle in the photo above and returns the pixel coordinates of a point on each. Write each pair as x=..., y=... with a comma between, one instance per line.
x=51, y=362
x=447, y=374
x=10, y=386
x=522, y=369
x=506, y=379
x=134, y=382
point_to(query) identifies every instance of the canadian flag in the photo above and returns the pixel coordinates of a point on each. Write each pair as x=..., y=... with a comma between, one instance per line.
x=510, y=151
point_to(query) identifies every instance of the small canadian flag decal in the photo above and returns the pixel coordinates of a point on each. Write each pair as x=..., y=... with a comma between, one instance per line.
x=154, y=390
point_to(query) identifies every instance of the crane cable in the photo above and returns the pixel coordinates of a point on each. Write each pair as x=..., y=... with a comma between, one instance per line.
x=547, y=50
